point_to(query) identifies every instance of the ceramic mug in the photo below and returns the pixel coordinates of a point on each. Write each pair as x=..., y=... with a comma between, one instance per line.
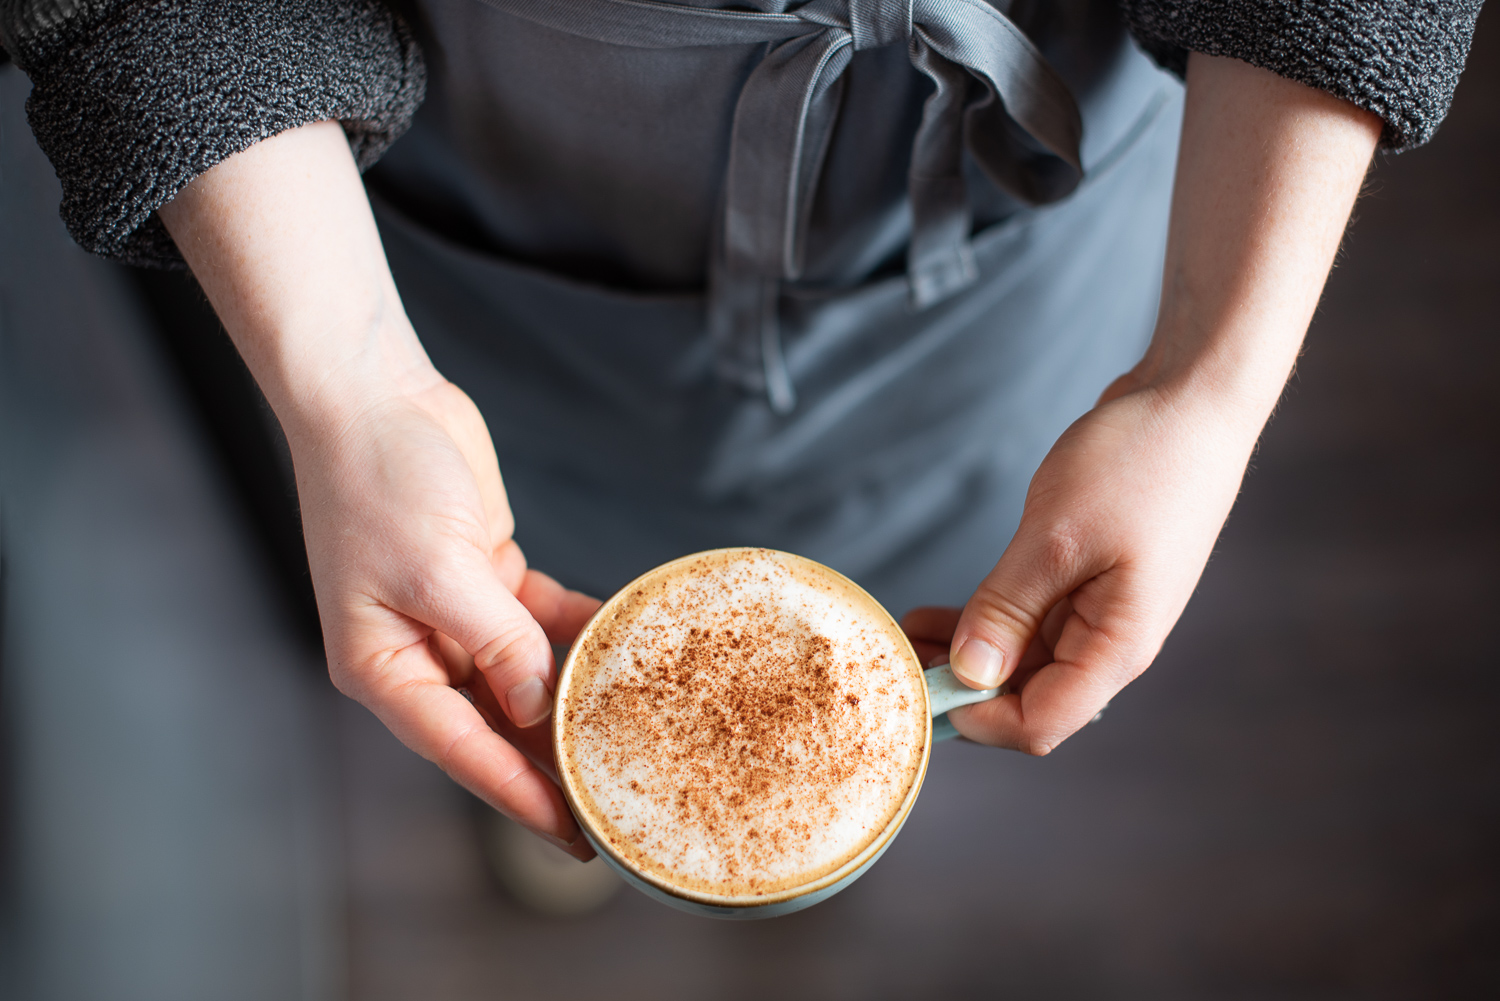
x=942, y=692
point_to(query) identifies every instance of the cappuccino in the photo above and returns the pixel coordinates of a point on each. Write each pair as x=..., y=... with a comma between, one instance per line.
x=741, y=722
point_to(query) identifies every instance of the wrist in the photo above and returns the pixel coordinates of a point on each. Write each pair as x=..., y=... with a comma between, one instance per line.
x=1234, y=372
x=323, y=380
x=282, y=239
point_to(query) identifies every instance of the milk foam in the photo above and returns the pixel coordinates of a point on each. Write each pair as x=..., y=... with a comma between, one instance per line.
x=743, y=724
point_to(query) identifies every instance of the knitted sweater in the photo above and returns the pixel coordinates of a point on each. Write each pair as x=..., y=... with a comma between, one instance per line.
x=132, y=99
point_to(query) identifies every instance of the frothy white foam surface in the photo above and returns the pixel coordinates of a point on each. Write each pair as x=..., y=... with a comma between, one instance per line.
x=743, y=724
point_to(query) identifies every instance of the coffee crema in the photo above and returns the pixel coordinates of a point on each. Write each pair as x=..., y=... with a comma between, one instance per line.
x=742, y=722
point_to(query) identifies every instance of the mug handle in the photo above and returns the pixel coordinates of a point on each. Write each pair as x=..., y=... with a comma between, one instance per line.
x=945, y=692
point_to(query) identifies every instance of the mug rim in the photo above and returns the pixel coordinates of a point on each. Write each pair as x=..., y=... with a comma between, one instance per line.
x=604, y=845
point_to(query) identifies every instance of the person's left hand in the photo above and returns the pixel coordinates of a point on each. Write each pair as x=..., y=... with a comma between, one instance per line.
x=1118, y=524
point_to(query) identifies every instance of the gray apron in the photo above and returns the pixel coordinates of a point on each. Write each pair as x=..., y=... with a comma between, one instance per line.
x=830, y=280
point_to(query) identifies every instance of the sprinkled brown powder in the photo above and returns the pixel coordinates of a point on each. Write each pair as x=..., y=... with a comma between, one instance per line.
x=745, y=732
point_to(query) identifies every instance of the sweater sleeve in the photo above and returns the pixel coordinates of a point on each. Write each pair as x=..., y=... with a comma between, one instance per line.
x=1399, y=59
x=132, y=99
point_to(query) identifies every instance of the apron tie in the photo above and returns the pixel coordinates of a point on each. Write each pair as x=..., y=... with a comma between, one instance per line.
x=988, y=78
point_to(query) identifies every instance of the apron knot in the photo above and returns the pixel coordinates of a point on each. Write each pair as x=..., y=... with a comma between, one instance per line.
x=987, y=78
x=874, y=23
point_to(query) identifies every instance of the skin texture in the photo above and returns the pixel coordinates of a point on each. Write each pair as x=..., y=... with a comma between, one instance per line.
x=426, y=599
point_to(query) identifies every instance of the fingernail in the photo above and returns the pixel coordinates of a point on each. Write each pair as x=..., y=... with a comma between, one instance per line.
x=978, y=663
x=529, y=702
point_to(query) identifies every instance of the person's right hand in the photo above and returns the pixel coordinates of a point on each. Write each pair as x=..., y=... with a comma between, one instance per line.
x=425, y=597
x=430, y=616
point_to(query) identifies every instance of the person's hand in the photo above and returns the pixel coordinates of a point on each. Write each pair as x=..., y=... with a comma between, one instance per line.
x=1123, y=513
x=431, y=618
x=1118, y=524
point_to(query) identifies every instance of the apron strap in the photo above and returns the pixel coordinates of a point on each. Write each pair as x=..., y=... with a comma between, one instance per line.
x=987, y=77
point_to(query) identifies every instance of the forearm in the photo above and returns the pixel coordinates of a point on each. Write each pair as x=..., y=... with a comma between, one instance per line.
x=1267, y=175
x=282, y=239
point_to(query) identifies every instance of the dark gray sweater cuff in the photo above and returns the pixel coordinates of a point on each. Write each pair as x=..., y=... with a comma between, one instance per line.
x=132, y=99
x=1399, y=58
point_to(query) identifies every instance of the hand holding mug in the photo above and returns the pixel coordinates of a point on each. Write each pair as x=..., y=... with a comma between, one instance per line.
x=742, y=732
x=1119, y=522
x=425, y=597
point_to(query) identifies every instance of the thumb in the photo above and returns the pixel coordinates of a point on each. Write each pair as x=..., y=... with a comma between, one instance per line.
x=466, y=600
x=1038, y=569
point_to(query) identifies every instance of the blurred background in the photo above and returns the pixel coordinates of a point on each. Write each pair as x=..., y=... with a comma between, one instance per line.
x=1300, y=799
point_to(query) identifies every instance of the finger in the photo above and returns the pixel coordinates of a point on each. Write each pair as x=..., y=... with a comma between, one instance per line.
x=535, y=742
x=930, y=654
x=931, y=623
x=465, y=424
x=510, y=565
x=1052, y=625
x=1056, y=700
x=438, y=723
x=1055, y=703
x=1039, y=568
x=930, y=630
x=460, y=595
x=561, y=613
x=1037, y=656
x=455, y=659
x=1039, y=653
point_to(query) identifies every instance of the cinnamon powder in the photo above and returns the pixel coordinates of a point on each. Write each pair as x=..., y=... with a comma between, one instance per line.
x=746, y=733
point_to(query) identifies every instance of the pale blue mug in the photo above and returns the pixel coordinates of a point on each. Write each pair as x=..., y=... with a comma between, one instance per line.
x=943, y=692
